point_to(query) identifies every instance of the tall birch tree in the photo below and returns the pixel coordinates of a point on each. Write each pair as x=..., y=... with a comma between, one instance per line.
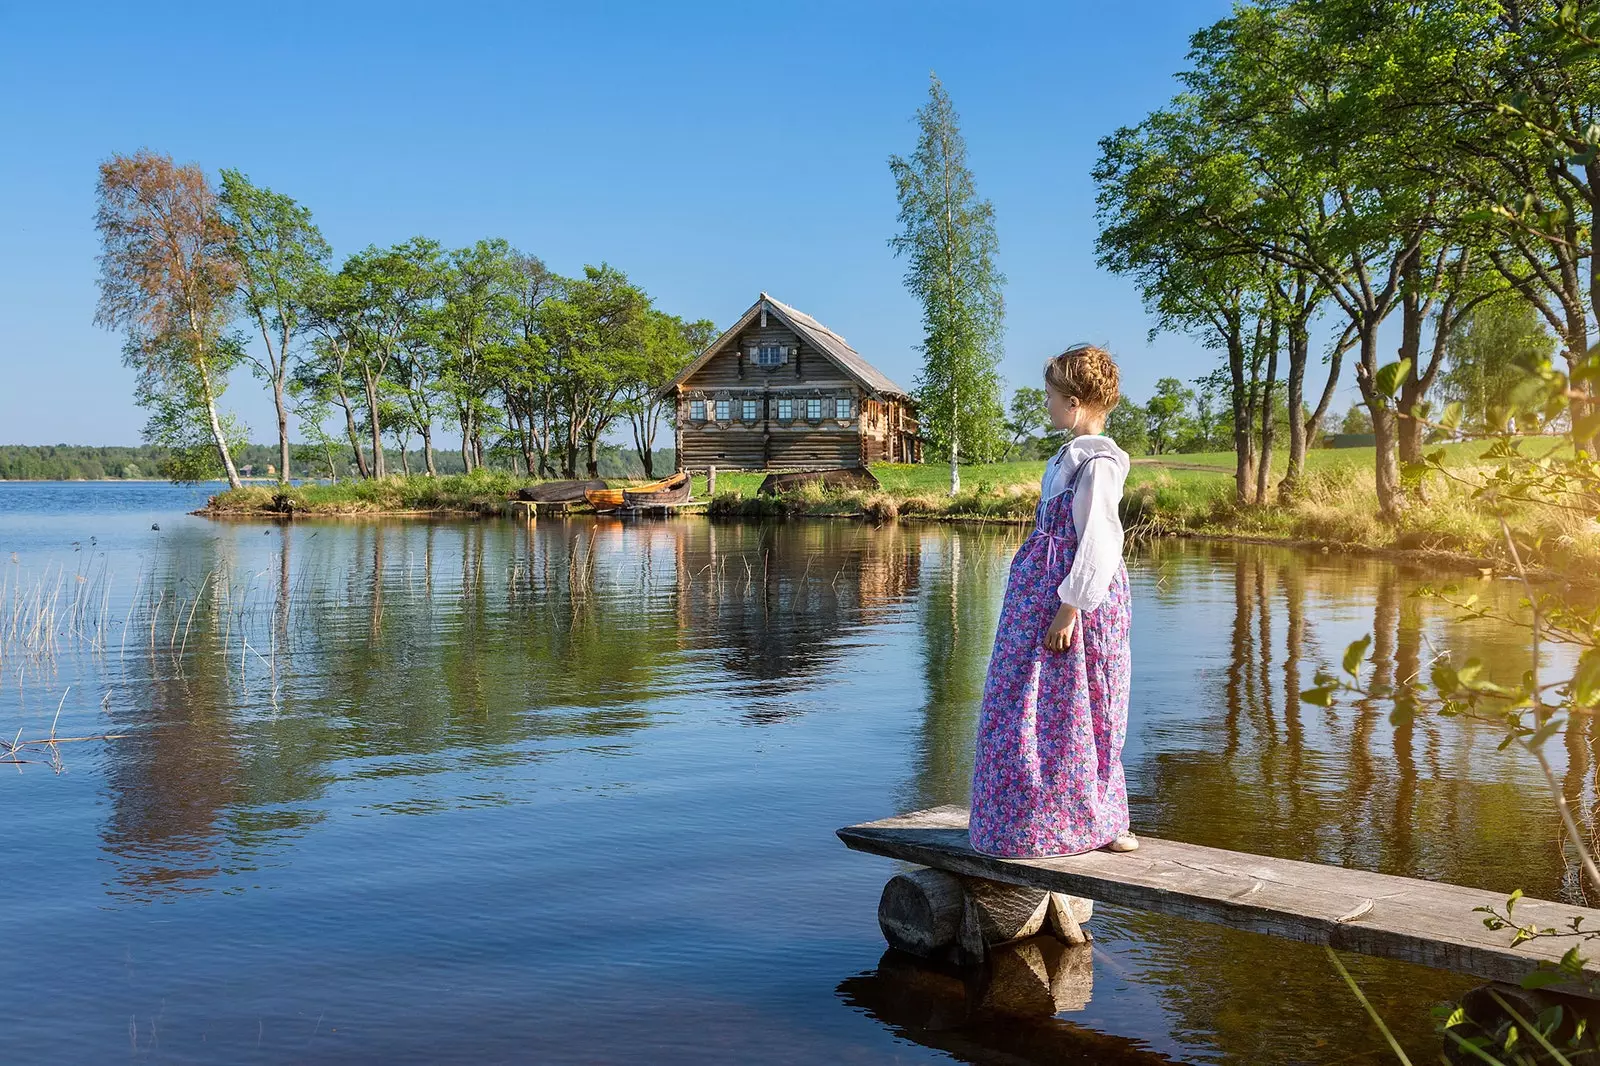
x=947, y=235
x=167, y=278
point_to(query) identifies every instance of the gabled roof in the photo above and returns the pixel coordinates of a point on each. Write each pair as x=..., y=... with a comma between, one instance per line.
x=825, y=340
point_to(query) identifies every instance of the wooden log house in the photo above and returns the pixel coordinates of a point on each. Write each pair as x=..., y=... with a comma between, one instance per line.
x=781, y=391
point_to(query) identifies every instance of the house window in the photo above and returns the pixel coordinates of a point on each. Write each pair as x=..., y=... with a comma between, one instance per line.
x=814, y=409
x=752, y=410
x=697, y=410
x=770, y=355
x=841, y=407
x=785, y=409
x=724, y=410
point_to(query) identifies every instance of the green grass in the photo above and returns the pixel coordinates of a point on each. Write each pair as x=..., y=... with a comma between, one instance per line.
x=482, y=491
x=1186, y=494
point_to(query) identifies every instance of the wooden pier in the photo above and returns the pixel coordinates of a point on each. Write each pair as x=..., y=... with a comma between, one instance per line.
x=1389, y=917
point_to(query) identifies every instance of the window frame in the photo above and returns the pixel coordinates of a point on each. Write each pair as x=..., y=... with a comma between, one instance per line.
x=814, y=409
x=752, y=409
x=844, y=408
x=786, y=415
x=724, y=409
x=697, y=410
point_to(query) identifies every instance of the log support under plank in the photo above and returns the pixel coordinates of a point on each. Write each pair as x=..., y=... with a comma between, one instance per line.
x=942, y=916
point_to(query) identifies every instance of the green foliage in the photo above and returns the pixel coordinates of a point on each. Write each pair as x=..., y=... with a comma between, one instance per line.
x=1488, y=356
x=1166, y=414
x=1128, y=425
x=948, y=238
x=1356, y=420
x=1029, y=414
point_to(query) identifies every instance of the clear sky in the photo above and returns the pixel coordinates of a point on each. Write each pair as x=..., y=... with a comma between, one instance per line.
x=711, y=150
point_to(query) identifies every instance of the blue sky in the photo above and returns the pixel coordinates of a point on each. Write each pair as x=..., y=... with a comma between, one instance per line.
x=712, y=151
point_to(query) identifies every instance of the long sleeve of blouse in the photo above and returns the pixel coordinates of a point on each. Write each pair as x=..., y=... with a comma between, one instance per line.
x=1094, y=516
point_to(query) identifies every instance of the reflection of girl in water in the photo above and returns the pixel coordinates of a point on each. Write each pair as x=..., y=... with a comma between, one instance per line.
x=1048, y=776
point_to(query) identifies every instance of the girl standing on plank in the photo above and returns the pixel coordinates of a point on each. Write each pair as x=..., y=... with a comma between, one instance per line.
x=1048, y=774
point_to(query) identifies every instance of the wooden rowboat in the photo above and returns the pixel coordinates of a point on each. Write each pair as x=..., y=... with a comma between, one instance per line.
x=557, y=491
x=674, y=492
x=611, y=499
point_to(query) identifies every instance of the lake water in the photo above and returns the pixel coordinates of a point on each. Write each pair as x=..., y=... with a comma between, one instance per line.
x=416, y=792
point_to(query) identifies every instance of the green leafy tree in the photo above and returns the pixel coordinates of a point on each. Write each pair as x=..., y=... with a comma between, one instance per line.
x=948, y=237
x=1489, y=355
x=1167, y=415
x=593, y=333
x=1356, y=420
x=1127, y=425
x=475, y=322
x=1029, y=414
x=278, y=252
x=377, y=307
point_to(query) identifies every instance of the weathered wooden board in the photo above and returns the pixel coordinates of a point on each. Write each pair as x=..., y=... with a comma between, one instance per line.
x=1352, y=910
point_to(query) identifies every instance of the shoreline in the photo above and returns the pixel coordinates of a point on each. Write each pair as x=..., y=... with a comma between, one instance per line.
x=1462, y=562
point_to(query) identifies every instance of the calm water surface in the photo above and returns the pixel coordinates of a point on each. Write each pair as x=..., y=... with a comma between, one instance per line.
x=478, y=792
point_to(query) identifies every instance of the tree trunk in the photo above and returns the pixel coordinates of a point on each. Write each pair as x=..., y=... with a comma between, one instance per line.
x=283, y=430
x=466, y=443
x=1408, y=430
x=1244, y=448
x=1306, y=297
x=427, y=449
x=1299, y=352
x=955, y=442
x=592, y=462
x=371, y=384
x=217, y=434
x=355, y=438
x=1391, y=497
x=1264, y=461
x=405, y=461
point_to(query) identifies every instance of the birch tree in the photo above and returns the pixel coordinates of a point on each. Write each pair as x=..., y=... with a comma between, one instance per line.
x=166, y=278
x=947, y=235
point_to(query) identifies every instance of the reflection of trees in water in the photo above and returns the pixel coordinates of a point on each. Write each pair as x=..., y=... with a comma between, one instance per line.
x=1428, y=796
x=430, y=656
x=1425, y=797
x=960, y=609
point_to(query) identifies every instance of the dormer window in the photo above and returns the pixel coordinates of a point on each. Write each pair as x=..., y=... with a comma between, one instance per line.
x=769, y=355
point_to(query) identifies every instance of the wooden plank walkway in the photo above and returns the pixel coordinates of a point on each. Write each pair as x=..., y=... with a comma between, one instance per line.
x=1389, y=917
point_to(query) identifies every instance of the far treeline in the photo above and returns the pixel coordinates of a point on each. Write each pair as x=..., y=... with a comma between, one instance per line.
x=1430, y=163
x=530, y=367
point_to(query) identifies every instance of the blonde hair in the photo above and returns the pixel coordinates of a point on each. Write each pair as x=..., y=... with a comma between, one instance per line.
x=1087, y=374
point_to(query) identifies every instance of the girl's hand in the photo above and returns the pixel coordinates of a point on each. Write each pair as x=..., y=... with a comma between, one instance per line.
x=1059, y=636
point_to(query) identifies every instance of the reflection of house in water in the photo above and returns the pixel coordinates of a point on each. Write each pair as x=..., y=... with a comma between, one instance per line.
x=778, y=602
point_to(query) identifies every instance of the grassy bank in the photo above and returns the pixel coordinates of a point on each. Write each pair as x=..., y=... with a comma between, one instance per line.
x=480, y=492
x=1174, y=495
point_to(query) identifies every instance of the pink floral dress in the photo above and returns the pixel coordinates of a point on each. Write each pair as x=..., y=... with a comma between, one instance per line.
x=1048, y=775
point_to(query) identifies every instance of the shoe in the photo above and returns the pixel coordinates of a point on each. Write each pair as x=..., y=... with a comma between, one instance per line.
x=1124, y=842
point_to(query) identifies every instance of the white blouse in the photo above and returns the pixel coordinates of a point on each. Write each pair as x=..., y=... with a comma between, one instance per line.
x=1094, y=514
